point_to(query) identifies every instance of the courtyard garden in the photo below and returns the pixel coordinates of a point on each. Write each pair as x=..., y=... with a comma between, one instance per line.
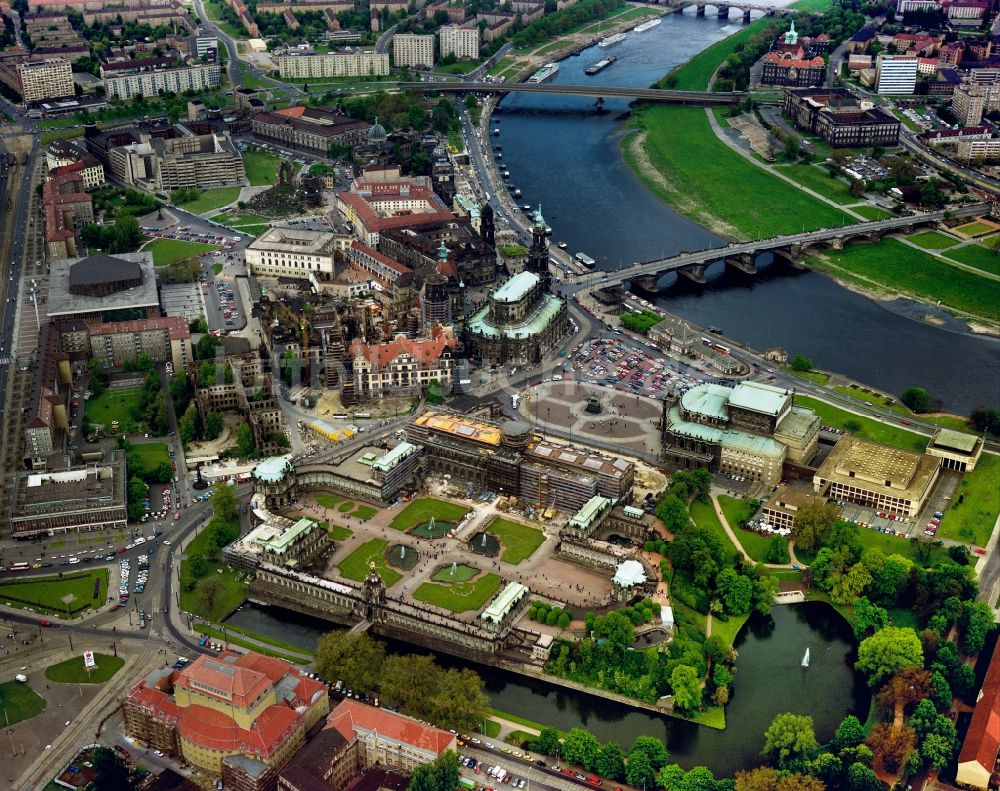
x=151, y=454
x=112, y=405
x=519, y=541
x=345, y=507
x=61, y=594
x=72, y=671
x=459, y=597
x=355, y=566
x=421, y=511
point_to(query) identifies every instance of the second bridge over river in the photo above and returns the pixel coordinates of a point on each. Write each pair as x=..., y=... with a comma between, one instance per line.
x=742, y=255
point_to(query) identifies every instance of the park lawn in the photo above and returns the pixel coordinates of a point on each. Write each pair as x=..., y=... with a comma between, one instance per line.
x=694, y=172
x=894, y=545
x=217, y=269
x=519, y=541
x=974, y=228
x=871, y=212
x=867, y=428
x=461, y=67
x=735, y=511
x=422, y=509
x=20, y=702
x=261, y=167
x=491, y=729
x=819, y=180
x=704, y=516
x=932, y=240
x=897, y=266
x=365, y=512
x=72, y=670
x=885, y=402
x=345, y=506
x=972, y=519
x=712, y=717
x=819, y=377
x=812, y=5
x=906, y=120
x=729, y=629
x=459, y=596
x=976, y=256
x=355, y=566
x=152, y=454
x=46, y=593
x=211, y=199
x=327, y=500
x=263, y=638
x=213, y=10
x=114, y=405
x=170, y=251
x=462, y=573
x=501, y=65
x=231, y=592
x=339, y=532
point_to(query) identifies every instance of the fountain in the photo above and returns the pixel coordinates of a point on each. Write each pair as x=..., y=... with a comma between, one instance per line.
x=805, y=658
x=398, y=556
x=454, y=566
x=430, y=525
x=433, y=528
x=484, y=543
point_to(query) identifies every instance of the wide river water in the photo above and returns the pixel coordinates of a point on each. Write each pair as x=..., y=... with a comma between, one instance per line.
x=769, y=680
x=565, y=156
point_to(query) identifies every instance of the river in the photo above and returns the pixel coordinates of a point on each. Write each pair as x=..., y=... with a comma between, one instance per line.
x=769, y=680
x=565, y=156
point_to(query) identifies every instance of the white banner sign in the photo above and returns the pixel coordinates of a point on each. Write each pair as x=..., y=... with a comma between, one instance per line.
x=88, y=660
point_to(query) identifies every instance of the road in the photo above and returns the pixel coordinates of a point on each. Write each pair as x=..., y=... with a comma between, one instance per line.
x=382, y=45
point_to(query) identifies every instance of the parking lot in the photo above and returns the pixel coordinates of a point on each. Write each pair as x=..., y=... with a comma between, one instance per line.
x=182, y=299
x=619, y=364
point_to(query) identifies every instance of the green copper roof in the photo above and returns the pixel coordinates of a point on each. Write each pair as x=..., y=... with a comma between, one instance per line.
x=482, y=324
x=516, y=287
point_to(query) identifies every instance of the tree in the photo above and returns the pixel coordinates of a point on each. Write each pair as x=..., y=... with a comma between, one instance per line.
x=209, y=592
x=792, y=147
x=887, y=652
x=937, y=750
x=246, y=445
x=460, y=703
x=850, y=733
x=439, y=775
x=975, y=622
x=638, y=771
x=673, y=513
x=801, y=364
x=891, y=744
x=963, y=681
x=205, y=348
x=812, y=522
x=789, y=736
x=931, y=194
x=917, y=399
x=685, y=681
x=862, y=778
x=656, y=751
x=356, y=659
x=765, y=778
x=136, y=494
x=547, y=742
x=225, y=503
x=187, y=426
x=735, y=591
x=409, y=683
x=214, y=424
x=111, y=771
x=777, y=550
x=907, y=687
x=848, y=587
x=580, y=747
x=867, y=617
x=940, y=692
x=610, y=762
x=987, y=418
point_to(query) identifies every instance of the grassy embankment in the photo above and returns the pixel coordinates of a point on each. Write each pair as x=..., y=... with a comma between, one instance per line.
x=170, y=251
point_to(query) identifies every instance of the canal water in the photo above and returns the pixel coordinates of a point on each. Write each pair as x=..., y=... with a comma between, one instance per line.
x=565, y=155
x=769, y=680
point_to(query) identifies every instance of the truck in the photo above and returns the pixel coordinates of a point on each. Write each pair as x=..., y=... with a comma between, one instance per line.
x=466, y=783
x=21, y=677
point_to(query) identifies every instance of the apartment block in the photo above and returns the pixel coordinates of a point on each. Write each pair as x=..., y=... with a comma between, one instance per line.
x=308, y=64
x=896, y=74
x=150, y=77
x=51, y=78
x=462, y=42
x=413, y=50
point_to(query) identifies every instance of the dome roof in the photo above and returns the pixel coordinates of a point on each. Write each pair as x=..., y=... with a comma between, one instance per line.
x=376, y=132
x=272, y=470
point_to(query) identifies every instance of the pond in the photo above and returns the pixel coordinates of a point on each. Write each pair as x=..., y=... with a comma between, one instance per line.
x=769, y=680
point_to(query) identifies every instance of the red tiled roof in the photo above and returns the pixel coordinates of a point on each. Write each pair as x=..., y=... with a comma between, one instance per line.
x=215, y=730
x=423, y=350
x=982, y=742
x=177, y=326
x=375, y=222
x=382, y=259
x=350, y=715
x=227, y=682
x=786, y=61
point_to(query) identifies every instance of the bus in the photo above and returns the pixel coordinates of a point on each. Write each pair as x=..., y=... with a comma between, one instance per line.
x=466, y=783
x=19, y=567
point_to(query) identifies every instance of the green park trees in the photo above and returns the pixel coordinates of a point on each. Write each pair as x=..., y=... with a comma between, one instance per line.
x=789, y=736
x=887, y=652
x=441, y=774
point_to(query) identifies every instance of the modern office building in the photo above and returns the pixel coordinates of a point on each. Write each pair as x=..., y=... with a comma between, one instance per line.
x=896, y=74
x=782, y=506
x=159, y=164
x=413, y=50
x=308, y=64
x=223, y=711
x=151, y=77
x=293, y=252
x=70, y=498
x=462, y=42
x=877, y=476
x=107, y=288
x=51, y=78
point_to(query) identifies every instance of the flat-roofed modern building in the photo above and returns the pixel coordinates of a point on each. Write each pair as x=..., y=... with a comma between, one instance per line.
x=877, y=476
x=158, y=164
x=308, y=64
x=106, y=287
x=782, y=506
x=370, y=473
x=413, y=50
x=71, y=499
x=956, y=449
x=462, y=42
x=293, y=252
x=51, y=78
x=129, y=79
x=896, y=74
